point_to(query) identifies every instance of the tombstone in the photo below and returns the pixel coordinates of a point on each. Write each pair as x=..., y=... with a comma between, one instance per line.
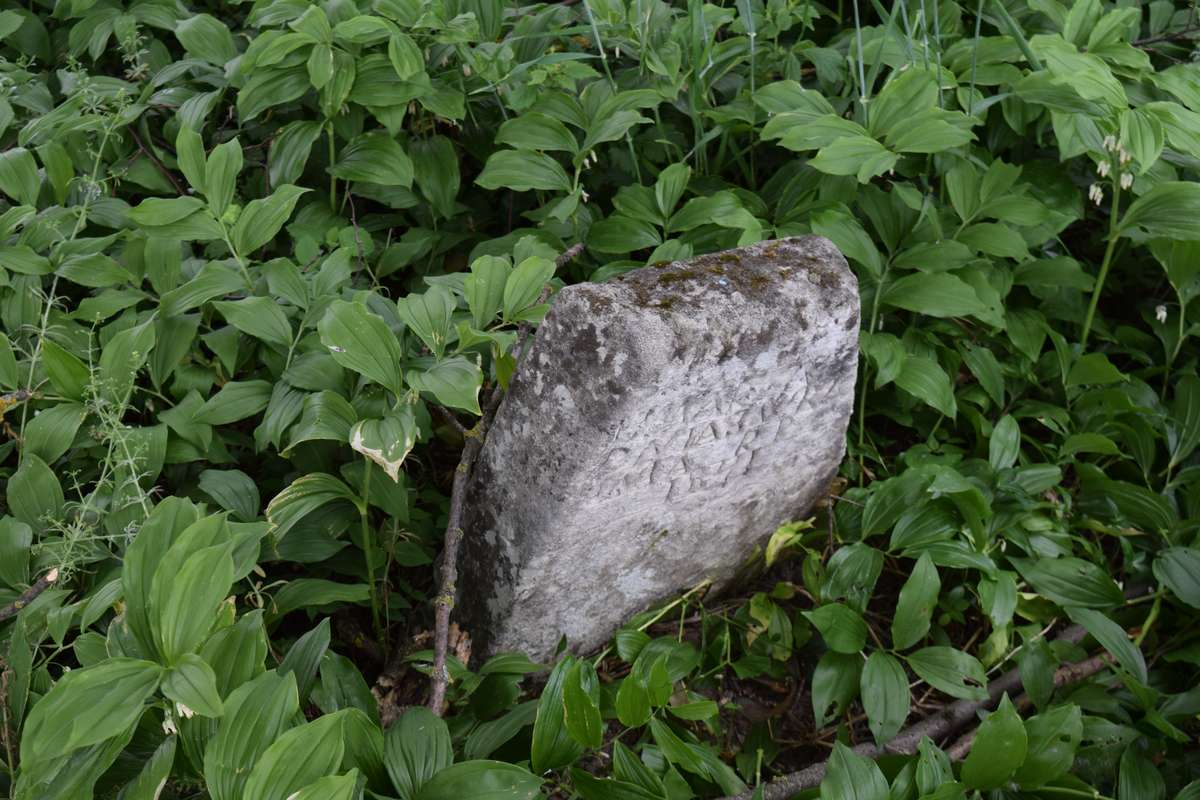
x=660, y=428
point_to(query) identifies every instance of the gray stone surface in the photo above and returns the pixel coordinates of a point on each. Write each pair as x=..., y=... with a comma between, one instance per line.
x=661, y=426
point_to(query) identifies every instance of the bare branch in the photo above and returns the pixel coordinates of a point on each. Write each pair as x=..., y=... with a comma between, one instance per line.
x=29, y=595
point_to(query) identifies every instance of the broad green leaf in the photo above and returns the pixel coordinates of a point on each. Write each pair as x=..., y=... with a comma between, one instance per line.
x=1113, y=638
x=885, y=695
x=951, y=671
x=189, y=152
x=303, y=659
x=1170, y=210
x=236, y=400
x=374, y=158
x=297, y=758
x=303, y=496
x=19, y=176
x=1053, y=737
x=593, y=788
x=87, y=706
x=261, y=219
x=360, y=340
x=835, y=684
x=192, y=684
x=1070, y=582
x=207, y=38
x=148, y=783
x=1178, y=568
x=534, y=131
x=407, y=59
x=184, y=603
x=525, y=284
x=484, y=289
x=453, y=382
x=998, y=749
x=581, y=705
x=553, y=746
x=935, y=294
x=633, y=703
x=850, y=776
x=220, y=175
x=15, y=540
x=34, y=493
x=290, y=149
x=50, y=434
x=331, y=787
x=234, y=491
x=925, y=380
x=481, y=779
x=523, y=171
x=121, y=359
x=915, y=606
x=1137, y=777
x=428, y=315
x=1094, y=369
x=260, y=317
x=386, y=441
x=256, y=714
x=1005, y=444
x=842, y=628
x=416, y=748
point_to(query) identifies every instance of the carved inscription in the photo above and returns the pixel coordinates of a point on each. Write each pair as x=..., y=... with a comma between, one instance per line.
x=699, y=438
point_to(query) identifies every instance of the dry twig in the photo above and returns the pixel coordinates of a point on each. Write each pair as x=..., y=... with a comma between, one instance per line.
x=29, y=595
x=473, y=440
x=951, y=719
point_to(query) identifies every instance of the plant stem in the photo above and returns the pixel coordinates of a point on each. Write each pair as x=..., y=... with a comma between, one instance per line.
x=1151, y=618
x=332, y=178
x=1104, y=265
x=368, y=554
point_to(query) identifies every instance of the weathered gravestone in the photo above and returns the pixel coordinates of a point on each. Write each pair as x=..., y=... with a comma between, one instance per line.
x=660, y=428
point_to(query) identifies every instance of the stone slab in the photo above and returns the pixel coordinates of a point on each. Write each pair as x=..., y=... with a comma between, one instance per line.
x=660, y=428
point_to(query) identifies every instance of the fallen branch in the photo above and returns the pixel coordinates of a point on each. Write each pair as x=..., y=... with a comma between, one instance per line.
x=951, y=719
x=473, y=440
x=29, y=595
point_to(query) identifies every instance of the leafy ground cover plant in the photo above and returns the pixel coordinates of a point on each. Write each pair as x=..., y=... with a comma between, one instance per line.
x=261, y=261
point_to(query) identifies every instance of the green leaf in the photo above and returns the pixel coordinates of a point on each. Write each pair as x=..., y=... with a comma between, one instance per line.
x=525, y=284
x=850, y=776
x=835, y=684
x=256, y=714
x=303, y=496
x=885, y=695
x=935, y=294
x=87, y=706
x=925, y=380
x=331, y=787
x=1171, y=210
x=236, y=400
x=149, y=782
x=189, y=152
x=360, y=340
x=297, y=758
x=842, y=628
x=915, y=606
x=950, y=671
x=998, y=750
x=453, y=382
x=622, y=234
x=428, y=315
x=220, y=175
x=23, y=260
x=1112, y=637
x=289, y=151
x=593, y=788
x=260, y=317
x=484, y=289
x=632, y=703
x=19, y=176
x=34, y=493
x=416, y=748
x=534, y=131
x=192, y=684
x=855, y=155
x=1138, y=778
x=1178, y=568
x=1005, y=444
x=1094, y=369
x=261, y=219
x=407, y=59
x=121, y=359
x=486, y=780
x=553, y=746
x=523, y=171
x=304, y=657
x=15, y=540
x=1185, y=411
x=386, y=441
x=374, y=158
x=1053, y=737
x=1070, y=582
x=183, y=603
x=51, y=432
x=234, y=491
x=581, y=705
x=206, y=38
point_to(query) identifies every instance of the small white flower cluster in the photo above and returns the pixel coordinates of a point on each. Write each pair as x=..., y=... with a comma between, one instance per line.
x=1105, y=168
